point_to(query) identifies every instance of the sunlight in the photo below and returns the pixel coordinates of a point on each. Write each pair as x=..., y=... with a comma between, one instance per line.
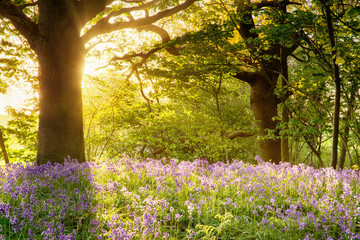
x=15, y=97
x=127, y=41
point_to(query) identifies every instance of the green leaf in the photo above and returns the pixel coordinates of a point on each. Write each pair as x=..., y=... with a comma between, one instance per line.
x=339, y=60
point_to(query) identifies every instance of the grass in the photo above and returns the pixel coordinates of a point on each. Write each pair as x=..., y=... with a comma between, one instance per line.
x=129, y=199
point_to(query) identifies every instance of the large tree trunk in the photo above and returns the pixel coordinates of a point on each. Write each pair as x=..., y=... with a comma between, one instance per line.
x=264, y=105
x=61, y=59
x=55, y=37
x=264, y=101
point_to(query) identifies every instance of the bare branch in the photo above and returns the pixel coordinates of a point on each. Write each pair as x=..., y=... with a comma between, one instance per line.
x=316, y=49
x=90, y=11
x=129, y=10
x=165, y=37
x=148, y=100
x=296, y=57
x=104, y=26
x=158, y=151
x=240, y=133
x=144, y=56
x=129, y=57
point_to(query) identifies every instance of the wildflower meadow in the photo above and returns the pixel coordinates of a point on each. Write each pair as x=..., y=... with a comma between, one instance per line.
x=158, y=199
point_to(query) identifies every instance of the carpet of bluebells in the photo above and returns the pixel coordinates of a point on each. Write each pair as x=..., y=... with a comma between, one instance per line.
x=154, y=199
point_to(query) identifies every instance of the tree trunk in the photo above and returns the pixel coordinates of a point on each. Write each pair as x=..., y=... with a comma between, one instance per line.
x=3, y=148
x=351, y=100
x=61, y=58
x=344, y=147
x=264, y=105
x=337, y=80
x=285, y=153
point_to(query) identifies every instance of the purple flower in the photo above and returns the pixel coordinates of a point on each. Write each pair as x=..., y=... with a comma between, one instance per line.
x=167, y=218
x=177, y=216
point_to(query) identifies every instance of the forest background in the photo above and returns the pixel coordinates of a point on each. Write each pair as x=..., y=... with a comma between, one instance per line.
x=220, y=80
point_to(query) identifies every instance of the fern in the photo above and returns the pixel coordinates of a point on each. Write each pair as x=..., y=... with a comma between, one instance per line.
x=209, y=231
x=225, y=220
x=212, y=232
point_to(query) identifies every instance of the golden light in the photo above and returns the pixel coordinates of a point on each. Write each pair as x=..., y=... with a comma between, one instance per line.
x=15, y=97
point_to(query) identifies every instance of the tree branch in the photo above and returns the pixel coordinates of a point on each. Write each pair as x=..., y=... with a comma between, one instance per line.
x=129, y=10
x=249, y=77
x=134, y=1
x=27, y=5
x=165, y=37
x=296, y=57
x=88, y=9
x=264, y=3
x=245, y=9
x=104, y=26
x=148, y=100
x=240, y=133
x=144, y=56
x=20, y=21
x=316, y=49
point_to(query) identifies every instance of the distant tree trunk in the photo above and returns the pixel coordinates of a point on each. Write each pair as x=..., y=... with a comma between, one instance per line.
x=61, y=58
x=337, y=80
x=3, y=148
x=285, y=152
x=264, y=101
x=344, y=149
x=264, y=104
x=345, y=139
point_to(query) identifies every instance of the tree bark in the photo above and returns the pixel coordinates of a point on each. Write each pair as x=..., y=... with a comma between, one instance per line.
x=239, y=133
x=264, y=105
x=285, y=152
x=56, y=39
x=351, y=100
x=337, y=80
x=61, y=58
x=264, y=101
x=3, y=148
x=344, y=147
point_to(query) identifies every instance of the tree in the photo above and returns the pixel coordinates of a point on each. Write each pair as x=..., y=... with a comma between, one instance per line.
x=3, y=148
x=253, y=59
x=337, y=81
x=57, y=32
x=154, y=116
